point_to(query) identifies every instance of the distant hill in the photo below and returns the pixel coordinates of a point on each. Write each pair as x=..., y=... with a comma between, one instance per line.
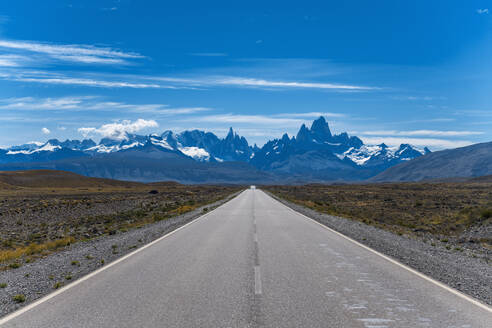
x=482, y=179
x=56, y=179
x=470, y=161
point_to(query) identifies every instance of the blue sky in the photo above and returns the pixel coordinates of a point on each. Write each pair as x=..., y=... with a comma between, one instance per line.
x=392, y=71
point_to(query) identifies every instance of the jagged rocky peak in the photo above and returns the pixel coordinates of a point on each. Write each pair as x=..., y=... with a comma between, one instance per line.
x=321, y=130
x=230, y=134
x=303, y=134
x=285, y=138
x=54, y=142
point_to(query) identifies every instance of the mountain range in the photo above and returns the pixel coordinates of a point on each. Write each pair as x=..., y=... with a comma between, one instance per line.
x=463, y=162
x=313, y=155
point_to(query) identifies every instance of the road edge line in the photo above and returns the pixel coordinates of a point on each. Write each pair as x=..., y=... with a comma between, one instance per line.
x=45, y=298
x=392, y=260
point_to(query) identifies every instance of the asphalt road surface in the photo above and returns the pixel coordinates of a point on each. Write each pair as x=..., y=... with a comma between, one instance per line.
x=253, y=262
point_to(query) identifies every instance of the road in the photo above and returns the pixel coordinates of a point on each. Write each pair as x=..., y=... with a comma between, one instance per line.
x=253, y=262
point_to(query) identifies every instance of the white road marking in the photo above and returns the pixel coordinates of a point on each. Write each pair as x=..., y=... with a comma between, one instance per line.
x=92, y=274
x=421, y=275
x=257, y=280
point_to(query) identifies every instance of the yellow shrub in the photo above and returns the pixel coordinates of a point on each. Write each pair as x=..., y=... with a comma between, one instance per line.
x=33, y=248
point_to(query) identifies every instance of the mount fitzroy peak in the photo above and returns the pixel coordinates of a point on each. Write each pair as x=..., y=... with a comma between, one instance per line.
x=313, y=155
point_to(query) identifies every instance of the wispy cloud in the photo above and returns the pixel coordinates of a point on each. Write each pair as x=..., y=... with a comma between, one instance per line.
x=423, y=142
x=50, y=78
x=159, y=109
x=90, y=82
x=252, y=82
x=76, y=53
x=262, y=83
x=45, y=131
x=93, y=103
x=434, y=133
x=144, y=82
x=208, y=54
x=483, y=11
x=430, y=120
x=118, y=130
x=475, y=112
x=417, y=98
x=31, y=103
x=12, y=60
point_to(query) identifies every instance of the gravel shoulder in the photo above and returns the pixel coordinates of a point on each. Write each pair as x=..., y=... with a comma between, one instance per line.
x=468, y=274
x=37, y=279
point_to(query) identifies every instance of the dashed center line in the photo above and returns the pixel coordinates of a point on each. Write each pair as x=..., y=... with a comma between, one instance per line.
x=256, y=254
x=257, y=280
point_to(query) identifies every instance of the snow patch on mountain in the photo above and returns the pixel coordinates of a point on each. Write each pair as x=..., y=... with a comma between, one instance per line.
x=133, y=144
x=196, y=153
x=45, y=147
x=160, y=142
x=103, y=149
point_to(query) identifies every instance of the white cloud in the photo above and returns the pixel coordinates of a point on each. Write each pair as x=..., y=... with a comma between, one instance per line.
x=423, y=142
x=252, y=82
x=483, y=11
x=12, y=60
x=62, y=128
x=209, y=54
x=433, y=133
x=132, y=81
x=430, y=120
x=45, y=131
x=261, y=83
x=70, y=52
x=89, y=103
x=89, y=82
x=94, y=80
x=118, y=130
x=415, y=98
x=31, y=103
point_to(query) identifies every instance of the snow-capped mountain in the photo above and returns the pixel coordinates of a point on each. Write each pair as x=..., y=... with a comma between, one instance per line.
x=317, y=152
x=314, y=153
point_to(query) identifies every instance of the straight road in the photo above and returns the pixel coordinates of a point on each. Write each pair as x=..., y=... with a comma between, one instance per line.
x=253, y=262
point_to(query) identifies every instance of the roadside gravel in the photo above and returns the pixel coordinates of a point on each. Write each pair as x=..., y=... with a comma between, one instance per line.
x=458, y=269
x=34, y=280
